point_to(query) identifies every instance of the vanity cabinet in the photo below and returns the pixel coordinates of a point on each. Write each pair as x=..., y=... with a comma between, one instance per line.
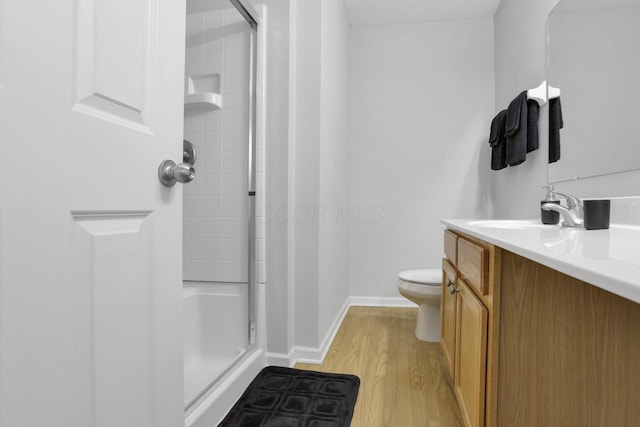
x=466, y=319
x=569, y=351
x=529, y=346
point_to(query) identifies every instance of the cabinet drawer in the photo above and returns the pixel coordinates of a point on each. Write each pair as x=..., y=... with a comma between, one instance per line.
x=450, y=245
x=473, y=264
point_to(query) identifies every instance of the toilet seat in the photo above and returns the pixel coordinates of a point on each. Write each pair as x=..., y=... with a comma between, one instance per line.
x=419, y=290
x=422, y=277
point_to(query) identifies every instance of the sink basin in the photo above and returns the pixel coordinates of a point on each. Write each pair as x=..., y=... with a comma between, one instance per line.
x=513, y=224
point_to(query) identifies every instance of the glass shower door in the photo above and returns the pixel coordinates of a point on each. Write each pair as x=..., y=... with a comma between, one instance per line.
x=219, y=211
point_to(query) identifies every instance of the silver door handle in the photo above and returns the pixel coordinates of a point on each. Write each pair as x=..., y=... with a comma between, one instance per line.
x=170, y=173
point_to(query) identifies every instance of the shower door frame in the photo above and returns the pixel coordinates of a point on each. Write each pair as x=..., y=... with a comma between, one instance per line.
x=253, y=100
x=251, y=214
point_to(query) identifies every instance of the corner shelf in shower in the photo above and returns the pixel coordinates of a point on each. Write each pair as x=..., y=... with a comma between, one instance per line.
x=203, y=100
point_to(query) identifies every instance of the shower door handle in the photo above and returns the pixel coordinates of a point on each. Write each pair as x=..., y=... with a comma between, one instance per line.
x=189, y=153
x=169, y=173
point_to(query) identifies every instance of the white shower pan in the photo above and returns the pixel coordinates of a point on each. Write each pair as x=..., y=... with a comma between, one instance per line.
x=215, y=317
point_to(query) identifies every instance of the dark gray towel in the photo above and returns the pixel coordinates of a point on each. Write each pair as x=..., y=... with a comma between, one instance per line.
x=533, y=112
x=555, y=124
x=498, y=142
x=516, y=130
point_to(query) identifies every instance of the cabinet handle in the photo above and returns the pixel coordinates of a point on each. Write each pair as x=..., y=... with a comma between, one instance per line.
x=453, y=290
x=450, y=283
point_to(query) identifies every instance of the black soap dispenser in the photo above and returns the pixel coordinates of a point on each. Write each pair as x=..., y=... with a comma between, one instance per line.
x=549, y=217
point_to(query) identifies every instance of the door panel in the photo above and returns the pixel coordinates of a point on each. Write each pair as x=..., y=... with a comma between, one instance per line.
x=113, y=70
x=115, y=328
x=90, y=243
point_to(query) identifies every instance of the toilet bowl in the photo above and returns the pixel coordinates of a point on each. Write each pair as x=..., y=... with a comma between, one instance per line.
x=424, y=288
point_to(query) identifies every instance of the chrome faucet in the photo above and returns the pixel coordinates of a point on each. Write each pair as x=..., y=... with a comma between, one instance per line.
x=572, y=215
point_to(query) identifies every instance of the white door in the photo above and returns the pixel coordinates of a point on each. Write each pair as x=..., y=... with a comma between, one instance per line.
x=90, y=280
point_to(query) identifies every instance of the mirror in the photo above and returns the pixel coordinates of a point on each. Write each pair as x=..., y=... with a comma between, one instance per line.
x=594, y=59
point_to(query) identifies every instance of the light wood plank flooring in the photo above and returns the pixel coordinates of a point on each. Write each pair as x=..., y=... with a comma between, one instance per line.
x=403, y=381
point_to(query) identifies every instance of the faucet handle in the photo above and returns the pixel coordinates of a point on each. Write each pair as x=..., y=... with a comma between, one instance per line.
x=573, y=203
x=572, y=200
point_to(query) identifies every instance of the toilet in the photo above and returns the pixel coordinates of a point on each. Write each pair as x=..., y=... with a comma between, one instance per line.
x=424, y=287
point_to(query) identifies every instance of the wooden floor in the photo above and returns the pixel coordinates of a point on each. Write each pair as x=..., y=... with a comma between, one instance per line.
x=403, y=381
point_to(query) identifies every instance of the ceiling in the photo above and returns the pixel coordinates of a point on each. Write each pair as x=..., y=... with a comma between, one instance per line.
x=385, y=12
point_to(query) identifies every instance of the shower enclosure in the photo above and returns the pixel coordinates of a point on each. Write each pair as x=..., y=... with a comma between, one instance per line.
x=219, y=236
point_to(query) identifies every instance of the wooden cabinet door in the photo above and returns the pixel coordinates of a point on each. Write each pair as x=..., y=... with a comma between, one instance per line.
x=470, y=355
x=448, y=316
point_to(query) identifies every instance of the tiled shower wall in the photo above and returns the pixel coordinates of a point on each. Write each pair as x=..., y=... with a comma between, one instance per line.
x=215, y=218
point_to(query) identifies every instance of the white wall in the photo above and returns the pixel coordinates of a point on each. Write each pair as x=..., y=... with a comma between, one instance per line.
x=278, y=288
x=321, y=183
x=306, y=170
x=335, y=167
x=520, y=46
x=422, y=100
x=306, y=181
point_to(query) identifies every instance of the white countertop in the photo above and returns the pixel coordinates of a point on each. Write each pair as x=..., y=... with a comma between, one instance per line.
x=608, y=259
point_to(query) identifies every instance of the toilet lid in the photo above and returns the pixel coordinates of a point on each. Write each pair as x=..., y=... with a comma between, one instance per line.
x=423, y=277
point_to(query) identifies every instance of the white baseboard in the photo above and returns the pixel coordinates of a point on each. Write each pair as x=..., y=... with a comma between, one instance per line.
x=282, y=359
x=381, y=302
x=315, y=356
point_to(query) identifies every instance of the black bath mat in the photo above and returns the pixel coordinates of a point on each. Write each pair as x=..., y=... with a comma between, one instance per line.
x=287, y=397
